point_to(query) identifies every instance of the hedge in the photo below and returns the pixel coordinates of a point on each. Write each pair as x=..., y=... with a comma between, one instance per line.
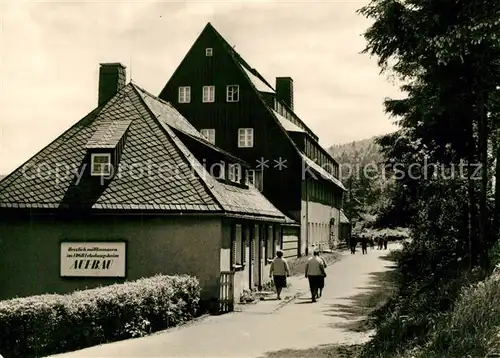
x=42, y=325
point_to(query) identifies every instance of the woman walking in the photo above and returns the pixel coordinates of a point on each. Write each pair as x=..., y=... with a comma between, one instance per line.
x=321, y=281
x=315, y=272
x=279, y=271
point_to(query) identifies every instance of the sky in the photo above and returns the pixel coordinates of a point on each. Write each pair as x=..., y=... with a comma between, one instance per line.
x=50, y=53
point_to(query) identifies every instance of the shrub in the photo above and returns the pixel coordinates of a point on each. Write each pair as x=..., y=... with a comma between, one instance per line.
x=48, y=324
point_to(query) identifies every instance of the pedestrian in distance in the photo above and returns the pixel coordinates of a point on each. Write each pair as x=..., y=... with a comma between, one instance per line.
x=353, y=244
x=364, y=245
x=279, y=271
x=315, y=273
x=372, y=243
x=385, y=242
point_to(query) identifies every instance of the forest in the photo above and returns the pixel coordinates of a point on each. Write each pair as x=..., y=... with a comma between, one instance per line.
x=446, y=55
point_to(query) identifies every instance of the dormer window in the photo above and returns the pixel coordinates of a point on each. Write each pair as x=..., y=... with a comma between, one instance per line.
x=100, y=164
x=209, y=52
x=105, y=147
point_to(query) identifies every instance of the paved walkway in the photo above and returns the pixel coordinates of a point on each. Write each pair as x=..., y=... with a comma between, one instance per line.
x=265, y=327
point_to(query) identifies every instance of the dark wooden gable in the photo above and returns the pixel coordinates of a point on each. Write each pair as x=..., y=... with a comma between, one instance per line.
x=271, y=142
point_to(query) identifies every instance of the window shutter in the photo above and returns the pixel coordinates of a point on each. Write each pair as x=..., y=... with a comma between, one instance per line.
x=244, y=230
x=233, y=248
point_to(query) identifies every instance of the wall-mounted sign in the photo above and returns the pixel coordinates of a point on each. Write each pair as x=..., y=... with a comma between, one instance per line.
x=93, y=259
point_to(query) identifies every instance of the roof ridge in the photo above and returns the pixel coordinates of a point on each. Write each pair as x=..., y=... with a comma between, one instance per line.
x=173, y=137
x=240, y=58
x=153, y=96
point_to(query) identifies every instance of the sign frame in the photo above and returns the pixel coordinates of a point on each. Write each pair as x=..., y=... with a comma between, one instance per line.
x=122, y=245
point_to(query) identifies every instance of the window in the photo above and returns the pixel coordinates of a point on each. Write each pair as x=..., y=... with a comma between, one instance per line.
x=235, y=172
x=209, y=52
x=209, y=134
x=245, y=137
x=237, y=247
x=184, y=94
x=250, y=177
x=208, y=94
x=100, y=164
x=233, y=93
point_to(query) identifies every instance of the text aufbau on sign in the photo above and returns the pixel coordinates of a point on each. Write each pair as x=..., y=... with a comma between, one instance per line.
x=93, y=259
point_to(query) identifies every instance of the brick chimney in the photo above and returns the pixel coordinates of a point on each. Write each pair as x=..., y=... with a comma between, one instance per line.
x=112, y=77
x=284, y=90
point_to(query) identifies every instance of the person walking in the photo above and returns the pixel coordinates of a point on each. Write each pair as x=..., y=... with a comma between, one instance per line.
x=315, y=273
x=321, y=282
x=279, y=271
x=353, y=244
x=385, y=242
x=364, y=245
x=372, y=243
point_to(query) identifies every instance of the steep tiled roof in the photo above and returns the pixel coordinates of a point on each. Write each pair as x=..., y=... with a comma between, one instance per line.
x=168, y=116
x=156, y=170
x=36, y=184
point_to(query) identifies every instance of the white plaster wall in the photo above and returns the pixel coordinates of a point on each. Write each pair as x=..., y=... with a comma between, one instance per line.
x=315, y=218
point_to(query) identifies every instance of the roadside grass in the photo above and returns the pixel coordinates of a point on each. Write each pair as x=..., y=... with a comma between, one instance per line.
x=322, y=351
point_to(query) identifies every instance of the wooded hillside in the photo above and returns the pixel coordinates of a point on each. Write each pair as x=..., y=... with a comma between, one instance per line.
x=362, y=170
